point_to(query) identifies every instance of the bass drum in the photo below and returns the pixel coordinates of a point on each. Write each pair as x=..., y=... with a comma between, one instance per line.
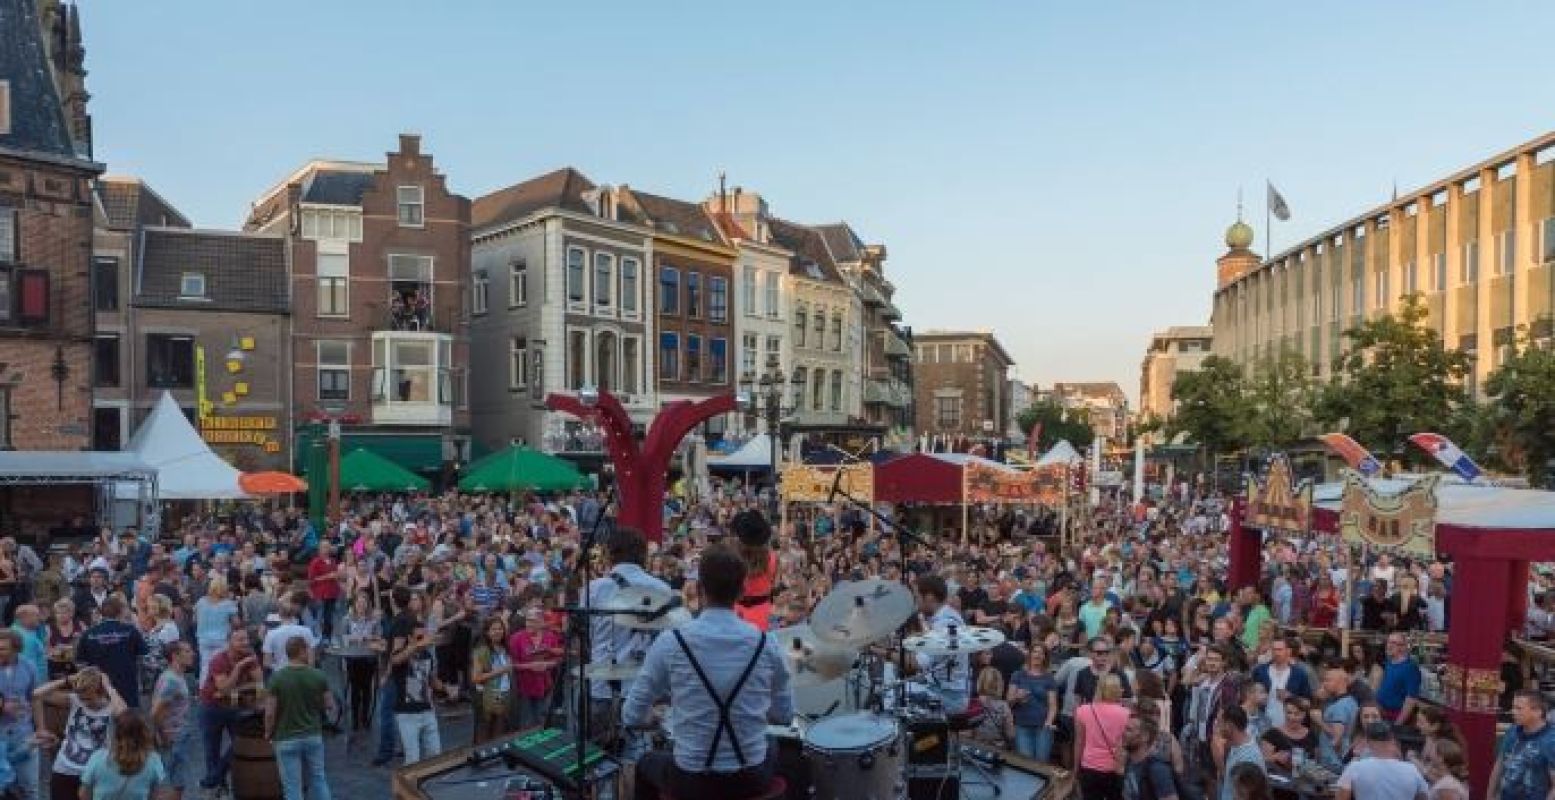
x=855, y=757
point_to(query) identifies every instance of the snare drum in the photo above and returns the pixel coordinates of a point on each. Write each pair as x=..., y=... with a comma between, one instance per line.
x=855, y=757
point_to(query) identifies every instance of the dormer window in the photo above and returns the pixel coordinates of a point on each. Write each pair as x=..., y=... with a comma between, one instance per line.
x=192, y=286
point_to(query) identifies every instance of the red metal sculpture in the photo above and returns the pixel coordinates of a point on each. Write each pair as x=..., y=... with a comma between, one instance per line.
x=641, y=473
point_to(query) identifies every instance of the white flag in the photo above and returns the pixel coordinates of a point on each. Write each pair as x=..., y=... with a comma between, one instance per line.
x=1277, y=205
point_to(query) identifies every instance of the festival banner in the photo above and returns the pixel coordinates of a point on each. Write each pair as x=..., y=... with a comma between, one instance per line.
x=1278, y=502
x=1447, y=454
x=806, y=484
x=1359, y=458
x=986, y=483
x=1405, y=521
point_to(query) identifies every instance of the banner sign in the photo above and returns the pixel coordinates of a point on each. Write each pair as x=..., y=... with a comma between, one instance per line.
x=990, y=484
x=1405, y=521
x=803, y=484
x=1278, y=502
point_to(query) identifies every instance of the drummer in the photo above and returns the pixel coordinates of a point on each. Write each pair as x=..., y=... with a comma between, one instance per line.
x=625, y=549
x=946, y=677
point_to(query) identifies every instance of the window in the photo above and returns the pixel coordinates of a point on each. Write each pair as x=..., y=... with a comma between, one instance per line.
x=717, y=298
x=577, y=359
x=774, y=298
x=836, y=390
x=1506, y=257
x=1357, y=295
x=801, y=379
x=1411, y=279
x=748, y=346
x=105, y=284
x=518, y=284
x=818, y=390
x=412, y=206
x=107, y=428
x=1547, y=230
x=693, y=357
x=413, y=372
x=748, y=291
x=480, y=291
x=9, y=241
x=718, y=360
x=693, y=294
x=576, y=259
x=604, y=279
x=1381, y=294
x=169, y=361
x=405, y=268
x=1469, y=271
x=518, y=363
x=192, y=285
x=334, y=365
x=334, y=284
x=819, y=340
x=105, y=360
x=669, y=290
x=947, y=413
x=605, y=378
x=836, y=333
x=774, y=345
x=1333, y=307
x=631, y=364
x=1439, y=271
x=328, y=224
x=630, y=290
x=801, y=321
x=669, y=357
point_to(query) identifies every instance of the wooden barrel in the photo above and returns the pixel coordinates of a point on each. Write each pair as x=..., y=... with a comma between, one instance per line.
x=255, y=775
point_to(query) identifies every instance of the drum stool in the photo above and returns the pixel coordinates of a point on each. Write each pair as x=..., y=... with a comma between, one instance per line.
x=776, y=788
x=963, y=722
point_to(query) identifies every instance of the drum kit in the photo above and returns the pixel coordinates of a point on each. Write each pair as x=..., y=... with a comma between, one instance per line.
x=854, y=712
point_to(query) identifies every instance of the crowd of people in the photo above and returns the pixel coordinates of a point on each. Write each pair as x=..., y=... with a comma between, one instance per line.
x=1127, y=658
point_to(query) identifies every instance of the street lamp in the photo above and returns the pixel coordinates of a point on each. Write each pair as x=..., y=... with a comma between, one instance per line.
x=764, y=397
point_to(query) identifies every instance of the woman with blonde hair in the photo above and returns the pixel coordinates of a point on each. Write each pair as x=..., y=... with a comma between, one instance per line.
x=998, y=726
x=92, y=703
x=129, y=768
x=1098, y=741
x=63, y=633
x=213, y=617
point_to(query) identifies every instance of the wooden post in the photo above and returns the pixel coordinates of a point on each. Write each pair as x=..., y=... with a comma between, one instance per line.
x=1349, y=601
x=966, y=519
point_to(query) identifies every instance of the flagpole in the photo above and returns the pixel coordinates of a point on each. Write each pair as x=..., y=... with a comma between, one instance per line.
x=1268, y=224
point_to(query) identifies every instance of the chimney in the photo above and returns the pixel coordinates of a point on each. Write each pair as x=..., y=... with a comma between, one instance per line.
x=410, y=144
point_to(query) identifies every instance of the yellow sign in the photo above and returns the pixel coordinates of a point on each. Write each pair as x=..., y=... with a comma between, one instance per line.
x=813, y=484
x=241, y=423
x=1278, y=502
x=241, y=430
x=203, y=406
x=1405, y=521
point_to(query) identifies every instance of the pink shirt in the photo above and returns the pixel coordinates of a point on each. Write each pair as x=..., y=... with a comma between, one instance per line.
x=1103, y=724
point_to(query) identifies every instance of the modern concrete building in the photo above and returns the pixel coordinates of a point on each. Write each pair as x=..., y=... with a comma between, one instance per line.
x=1021, y=398
x=962, y=384
x=1477, y=245
x=1178, y=349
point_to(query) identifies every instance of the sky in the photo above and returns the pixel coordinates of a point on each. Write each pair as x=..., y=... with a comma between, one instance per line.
x=1059, y=173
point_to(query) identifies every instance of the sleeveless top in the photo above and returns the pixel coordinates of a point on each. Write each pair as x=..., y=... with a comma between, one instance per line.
x=755, y=605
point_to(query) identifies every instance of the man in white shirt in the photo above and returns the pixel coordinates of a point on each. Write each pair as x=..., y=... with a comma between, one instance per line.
x=274, y=648
x=1379, y=773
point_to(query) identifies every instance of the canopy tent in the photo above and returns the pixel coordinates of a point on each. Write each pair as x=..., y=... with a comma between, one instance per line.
x=186, y=467
x=754, y=455
x=71, y=466
x=519, y=469
x=1062, y=452
x=366, y=471
x=919, y=478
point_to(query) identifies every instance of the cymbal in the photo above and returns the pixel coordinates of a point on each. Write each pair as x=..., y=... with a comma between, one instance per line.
x=624, y=670
x=812, y=662
x=646, y=609
x=856, y=613
x=954, y=640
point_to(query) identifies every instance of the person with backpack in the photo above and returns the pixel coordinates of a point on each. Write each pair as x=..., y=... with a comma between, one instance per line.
x=1146, y=775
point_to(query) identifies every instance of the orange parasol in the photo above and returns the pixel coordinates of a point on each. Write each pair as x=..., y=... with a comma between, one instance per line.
x=271, y=483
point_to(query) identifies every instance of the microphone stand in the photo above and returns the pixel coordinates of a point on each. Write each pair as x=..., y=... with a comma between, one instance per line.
x=581, y=622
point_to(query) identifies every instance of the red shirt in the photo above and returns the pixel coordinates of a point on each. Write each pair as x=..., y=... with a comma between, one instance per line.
x=524, y=650
x=323, y=588
x=221, y=666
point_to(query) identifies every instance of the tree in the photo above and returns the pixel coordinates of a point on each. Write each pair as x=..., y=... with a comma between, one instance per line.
x=1058, y=422
x=1394, y=378
x=1212, y=406
x=1280, y=395
x=1523, y=390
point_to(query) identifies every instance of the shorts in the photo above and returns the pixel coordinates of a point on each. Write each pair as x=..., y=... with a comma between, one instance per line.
x=177, y=762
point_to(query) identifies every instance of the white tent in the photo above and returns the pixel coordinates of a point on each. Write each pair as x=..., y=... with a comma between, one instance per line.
x=186, y=467
x=755, y=454
x=1061, y=453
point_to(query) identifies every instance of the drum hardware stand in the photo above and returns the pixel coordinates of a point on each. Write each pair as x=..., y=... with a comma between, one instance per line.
x=580, y=624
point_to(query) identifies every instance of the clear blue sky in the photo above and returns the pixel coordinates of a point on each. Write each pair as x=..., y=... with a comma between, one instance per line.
x=1059, y=172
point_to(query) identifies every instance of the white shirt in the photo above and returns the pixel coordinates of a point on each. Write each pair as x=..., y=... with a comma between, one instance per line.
x=274, y=648
x=1274, y=707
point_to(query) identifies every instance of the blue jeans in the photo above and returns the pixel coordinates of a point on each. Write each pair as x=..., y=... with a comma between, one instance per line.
x=1034, y=743
x=215, y=721
x=388, y=732
x=299, y=760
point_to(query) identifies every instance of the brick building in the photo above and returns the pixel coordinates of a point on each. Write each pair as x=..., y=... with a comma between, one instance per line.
x=380, y=266
x=45, y=231
x=962, y=384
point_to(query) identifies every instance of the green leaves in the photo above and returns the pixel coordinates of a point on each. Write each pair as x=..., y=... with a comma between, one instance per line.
x=1523, y=416
x=1058, y=422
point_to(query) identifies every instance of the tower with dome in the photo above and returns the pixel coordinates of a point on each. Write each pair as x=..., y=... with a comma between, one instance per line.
x=1239, y=259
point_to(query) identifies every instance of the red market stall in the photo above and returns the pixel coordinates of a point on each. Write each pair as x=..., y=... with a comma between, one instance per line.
x=1491, y=533
x=967, y=480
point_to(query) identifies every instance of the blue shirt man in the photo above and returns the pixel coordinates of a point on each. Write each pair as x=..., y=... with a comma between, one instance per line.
x=1400, y=680
x=1525, y=761
x=609, y=642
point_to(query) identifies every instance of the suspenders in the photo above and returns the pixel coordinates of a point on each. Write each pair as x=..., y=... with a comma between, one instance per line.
x=723, y=704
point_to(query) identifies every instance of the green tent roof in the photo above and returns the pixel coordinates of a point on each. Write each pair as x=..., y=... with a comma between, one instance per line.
x=366, y=471
x=518, y=469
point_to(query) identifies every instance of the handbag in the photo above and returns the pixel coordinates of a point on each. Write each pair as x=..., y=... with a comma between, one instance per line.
x=1119, y=758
